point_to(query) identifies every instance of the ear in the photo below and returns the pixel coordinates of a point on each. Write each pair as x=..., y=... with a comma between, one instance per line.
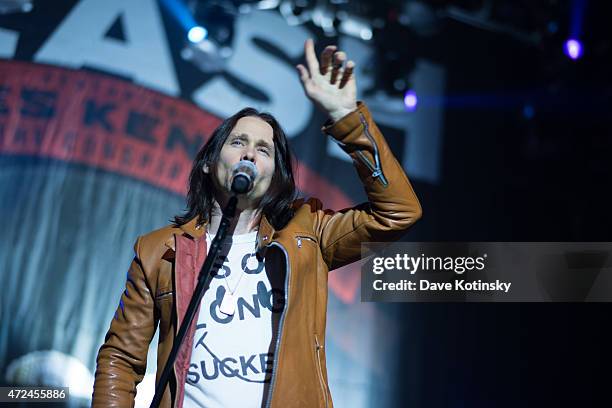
x=205, y=168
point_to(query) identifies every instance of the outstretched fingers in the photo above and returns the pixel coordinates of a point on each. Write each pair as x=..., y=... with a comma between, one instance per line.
x=311, y=57
x=304, y=74
x=348, y=72
x=326, y=59
x=337, y=70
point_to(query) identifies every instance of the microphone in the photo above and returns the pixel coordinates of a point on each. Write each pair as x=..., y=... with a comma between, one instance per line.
x=243, y=175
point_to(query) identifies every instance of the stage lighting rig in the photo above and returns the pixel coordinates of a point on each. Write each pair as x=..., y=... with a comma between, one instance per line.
x=209, y=43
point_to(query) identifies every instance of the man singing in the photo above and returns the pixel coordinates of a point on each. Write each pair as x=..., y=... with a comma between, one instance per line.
x=258, y=338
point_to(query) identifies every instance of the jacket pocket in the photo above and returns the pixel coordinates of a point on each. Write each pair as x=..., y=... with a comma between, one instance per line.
x=164, y=302
x=165, y=294
x=319, y=354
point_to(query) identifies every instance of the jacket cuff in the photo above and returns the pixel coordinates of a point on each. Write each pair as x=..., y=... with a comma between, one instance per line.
x=343, y=127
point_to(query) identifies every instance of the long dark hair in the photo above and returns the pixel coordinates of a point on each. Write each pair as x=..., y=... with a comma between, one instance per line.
x=276, y=204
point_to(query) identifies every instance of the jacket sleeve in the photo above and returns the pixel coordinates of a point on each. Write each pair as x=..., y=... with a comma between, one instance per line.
x=392, y=205
x=122, y=359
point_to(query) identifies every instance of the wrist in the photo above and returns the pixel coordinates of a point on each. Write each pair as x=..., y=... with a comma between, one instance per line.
x=336, y=115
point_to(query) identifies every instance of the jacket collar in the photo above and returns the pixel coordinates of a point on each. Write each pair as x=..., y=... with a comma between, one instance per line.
x=192, y=228
x=264, y=236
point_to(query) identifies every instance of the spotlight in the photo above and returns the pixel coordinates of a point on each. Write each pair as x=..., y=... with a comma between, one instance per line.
x=573, y=49
x=197, y=34
x=410, y=100
x=211, y=34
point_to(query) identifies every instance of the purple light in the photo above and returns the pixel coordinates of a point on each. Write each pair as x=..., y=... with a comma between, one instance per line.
x=410, y=101
x=573, y=49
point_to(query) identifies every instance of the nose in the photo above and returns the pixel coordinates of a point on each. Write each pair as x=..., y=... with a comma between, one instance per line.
x=249, y=154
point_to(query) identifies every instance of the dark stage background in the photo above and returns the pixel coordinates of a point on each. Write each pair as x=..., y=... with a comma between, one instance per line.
x=510, y=141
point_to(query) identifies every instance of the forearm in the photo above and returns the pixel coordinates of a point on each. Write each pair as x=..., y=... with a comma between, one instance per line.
x=394, y=205
x=122, y=359
x=115, y=379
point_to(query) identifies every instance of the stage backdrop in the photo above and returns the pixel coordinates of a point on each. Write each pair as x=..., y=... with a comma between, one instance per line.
x=100, y=119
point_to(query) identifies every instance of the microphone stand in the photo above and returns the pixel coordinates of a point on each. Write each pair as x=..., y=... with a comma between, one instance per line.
x=204, y=279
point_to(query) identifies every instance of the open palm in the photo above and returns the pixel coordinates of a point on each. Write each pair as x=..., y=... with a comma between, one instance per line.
x=330, y=84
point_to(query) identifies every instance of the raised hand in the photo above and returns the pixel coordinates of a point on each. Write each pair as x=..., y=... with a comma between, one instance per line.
x=330, y=84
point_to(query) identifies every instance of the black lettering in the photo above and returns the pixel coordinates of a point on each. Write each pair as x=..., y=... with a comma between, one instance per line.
x=175, y=170
x=178, y=137
x=126, y=157
x=196, y=376
x=273, y=299
x=98, y=114
x=216, y=304
x=247, y=269
x=201, y=341
x=226, y=369
x=141, y=126
x=145, y=160
x=266, y=360
x=38, y=136
x=89, y=147
x=37, y=103
x=242, y=303
x=246, y=364
x=109, y=150
x=213, y=375
x=264, y=295
x=4, y=92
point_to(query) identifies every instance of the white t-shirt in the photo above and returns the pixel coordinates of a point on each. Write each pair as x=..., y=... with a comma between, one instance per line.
x=231, y=361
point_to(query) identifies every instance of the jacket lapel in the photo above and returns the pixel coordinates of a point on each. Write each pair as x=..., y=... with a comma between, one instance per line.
x=188, y=249
x=189, y=254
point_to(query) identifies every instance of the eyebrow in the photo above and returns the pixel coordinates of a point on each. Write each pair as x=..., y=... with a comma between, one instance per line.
x=245, y=137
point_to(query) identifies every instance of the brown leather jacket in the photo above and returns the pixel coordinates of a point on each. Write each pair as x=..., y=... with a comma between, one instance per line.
x=163, y=274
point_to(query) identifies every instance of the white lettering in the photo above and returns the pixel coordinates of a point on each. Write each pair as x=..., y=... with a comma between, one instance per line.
x=424, y=284
x=8, y=42
x=277, y=79
x=144, y=56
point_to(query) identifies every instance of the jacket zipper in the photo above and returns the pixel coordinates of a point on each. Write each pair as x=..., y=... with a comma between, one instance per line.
x=375, y=168
x=280, y=326
x=299, y=239
x=164, y=294
x=318, y=348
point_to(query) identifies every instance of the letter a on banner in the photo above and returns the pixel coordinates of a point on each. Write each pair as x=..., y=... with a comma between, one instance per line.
x=144, y=55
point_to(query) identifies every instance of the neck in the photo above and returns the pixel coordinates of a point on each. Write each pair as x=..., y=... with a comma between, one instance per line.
x=245, y=221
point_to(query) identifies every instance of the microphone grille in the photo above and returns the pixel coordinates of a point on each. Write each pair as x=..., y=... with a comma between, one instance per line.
x=245, y=166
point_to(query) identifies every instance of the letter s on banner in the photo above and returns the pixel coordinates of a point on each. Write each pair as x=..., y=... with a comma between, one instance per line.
x=271, y=75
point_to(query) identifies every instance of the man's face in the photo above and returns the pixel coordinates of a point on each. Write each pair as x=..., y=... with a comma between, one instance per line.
x=251, y=139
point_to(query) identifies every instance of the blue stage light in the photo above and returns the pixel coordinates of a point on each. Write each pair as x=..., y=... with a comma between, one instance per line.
x=197, y=34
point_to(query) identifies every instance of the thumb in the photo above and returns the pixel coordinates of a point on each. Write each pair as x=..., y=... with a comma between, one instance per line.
x=304, y=75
